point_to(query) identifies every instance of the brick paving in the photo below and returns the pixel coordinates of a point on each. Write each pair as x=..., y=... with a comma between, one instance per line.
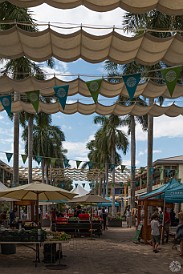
x=113, y=252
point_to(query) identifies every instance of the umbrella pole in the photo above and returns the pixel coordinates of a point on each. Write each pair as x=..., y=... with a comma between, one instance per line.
x=37, y=214
x=162, y=229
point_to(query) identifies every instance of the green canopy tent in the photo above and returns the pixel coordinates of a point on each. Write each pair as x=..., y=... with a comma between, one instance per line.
x=159, y=193
x=174, y=195
x=153, y=199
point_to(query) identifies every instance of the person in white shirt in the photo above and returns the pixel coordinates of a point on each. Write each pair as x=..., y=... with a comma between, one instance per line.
x=155, y=232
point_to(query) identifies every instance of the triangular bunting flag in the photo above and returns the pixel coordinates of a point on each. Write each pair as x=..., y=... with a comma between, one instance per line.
x=94, y=88
x=133, y=169
x=66, y=163
x=24, y=158
x=122, y=168
x=78, y=163
x=6, y=102
x=53, y=160
x=131, y=83
x=8, y=156
x=33, y=96
x=83, y=184
x=151, y=170
x=90, y=165
x=171, y=75
x=112, y=166
x=38, y=159
x=76, y=185
x=141, y=170
x=61, y=92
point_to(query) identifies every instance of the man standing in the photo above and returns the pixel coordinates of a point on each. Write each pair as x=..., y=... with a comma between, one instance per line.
x=167, y=222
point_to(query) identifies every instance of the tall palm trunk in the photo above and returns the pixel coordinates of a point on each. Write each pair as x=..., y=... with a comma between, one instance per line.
x=30, y=148
x=106, y=179
x=113, y=183
x=16, y=145
x=42, y=170
x=133, y=158
x=150, y=150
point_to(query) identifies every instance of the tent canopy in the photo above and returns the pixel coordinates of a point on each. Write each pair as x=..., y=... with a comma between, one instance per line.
x=159, y=193
x=107, y=204
x=79, y=190
x=174, y=195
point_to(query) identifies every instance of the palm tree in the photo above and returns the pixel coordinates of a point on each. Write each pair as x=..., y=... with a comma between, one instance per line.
x=101, y=159
x=114, y=71
x=47, y=141
x=111, y=139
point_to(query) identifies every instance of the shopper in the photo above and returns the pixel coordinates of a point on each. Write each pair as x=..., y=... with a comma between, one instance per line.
x=155, y=233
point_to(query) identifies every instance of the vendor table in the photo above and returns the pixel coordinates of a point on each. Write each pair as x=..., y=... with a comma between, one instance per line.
x=30, y=245
x=36, y=247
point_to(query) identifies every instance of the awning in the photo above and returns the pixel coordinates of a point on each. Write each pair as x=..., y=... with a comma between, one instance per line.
x=174, y=7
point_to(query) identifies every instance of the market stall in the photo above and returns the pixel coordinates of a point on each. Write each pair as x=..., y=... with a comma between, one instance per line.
x=34, y=239
x=149, y=201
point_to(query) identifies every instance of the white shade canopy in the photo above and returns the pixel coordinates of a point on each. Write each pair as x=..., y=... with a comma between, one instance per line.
x=149, y=89
x=172, y=7
x=40, y=46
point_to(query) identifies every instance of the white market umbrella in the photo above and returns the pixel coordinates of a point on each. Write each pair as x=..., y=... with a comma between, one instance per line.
x=3, y=187
x=37, y=191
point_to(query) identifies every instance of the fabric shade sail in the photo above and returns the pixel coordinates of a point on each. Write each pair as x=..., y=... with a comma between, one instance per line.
x=159, y=193
x=87, y=109
x=40, y=46
x=149, y=89
x=166, y=6
x=174, y=195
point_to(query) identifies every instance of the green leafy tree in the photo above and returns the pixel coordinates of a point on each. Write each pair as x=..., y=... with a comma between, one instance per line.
x=111, y=138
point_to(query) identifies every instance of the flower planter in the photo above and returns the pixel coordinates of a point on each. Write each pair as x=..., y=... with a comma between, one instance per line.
x=114, y=222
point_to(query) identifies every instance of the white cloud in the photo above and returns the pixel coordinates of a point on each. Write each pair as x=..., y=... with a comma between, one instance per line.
x=165, y=126
x=76, y=150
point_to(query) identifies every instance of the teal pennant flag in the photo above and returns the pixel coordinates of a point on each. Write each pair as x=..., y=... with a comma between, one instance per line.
x=8, y=156
x=94, y=88
x=133, y=169
x=151, y=170
x=38, y=159
x=6, y=102
x=33, y=96
x=112, y=166
x=171, y=75
x=66, y=163
x=24, y=158
x=83, y=184
x=61, y=92
x=90, y=165
x=131, y=83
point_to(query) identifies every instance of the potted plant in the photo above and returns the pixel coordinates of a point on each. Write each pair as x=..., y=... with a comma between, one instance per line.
x=115, y=221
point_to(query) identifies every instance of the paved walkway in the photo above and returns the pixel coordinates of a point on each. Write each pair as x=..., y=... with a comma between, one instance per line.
x=113, y=252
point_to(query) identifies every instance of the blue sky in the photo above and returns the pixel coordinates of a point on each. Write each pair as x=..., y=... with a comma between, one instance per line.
x=79, y=129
